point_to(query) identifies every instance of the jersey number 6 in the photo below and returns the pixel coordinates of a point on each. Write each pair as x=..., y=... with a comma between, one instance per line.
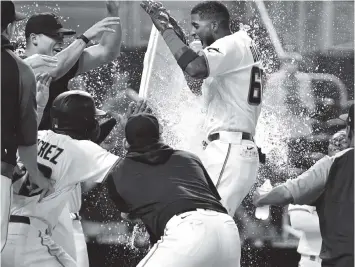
x=256, y=86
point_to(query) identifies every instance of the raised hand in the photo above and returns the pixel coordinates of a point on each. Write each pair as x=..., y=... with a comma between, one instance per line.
x=43, y=82
x=113, y=8
x=102, y=26
x=158, y=14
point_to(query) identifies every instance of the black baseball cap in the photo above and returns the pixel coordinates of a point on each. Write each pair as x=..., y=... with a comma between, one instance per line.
x=349, y=118
x=47, y=24
x=142, y=130
x=9, y=14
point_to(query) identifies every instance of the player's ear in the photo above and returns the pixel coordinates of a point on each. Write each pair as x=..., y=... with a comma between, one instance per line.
x=125, y=144
x=34, y=39
x=214, y=26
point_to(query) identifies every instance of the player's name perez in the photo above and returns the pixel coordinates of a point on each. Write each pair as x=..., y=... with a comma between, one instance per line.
x=48, y=151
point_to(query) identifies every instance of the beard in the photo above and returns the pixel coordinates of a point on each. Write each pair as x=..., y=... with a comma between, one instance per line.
x=207, y=41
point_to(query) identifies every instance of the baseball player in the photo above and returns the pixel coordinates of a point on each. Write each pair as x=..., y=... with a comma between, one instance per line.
x=68, y=155
x=231, y=68
x=172, y=193
x=18, y=114
x=45, y=34
x=305, y=218
x=329, y=186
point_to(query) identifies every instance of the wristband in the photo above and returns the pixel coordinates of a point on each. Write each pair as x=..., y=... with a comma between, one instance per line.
x=182, y=53
x=84, y=38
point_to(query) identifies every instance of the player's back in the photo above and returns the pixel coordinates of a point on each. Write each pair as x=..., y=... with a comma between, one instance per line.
x=233, y=89
x=68, y=162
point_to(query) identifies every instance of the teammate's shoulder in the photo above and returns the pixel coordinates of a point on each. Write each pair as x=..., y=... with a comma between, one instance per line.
x=343, y=152
x=186, y=154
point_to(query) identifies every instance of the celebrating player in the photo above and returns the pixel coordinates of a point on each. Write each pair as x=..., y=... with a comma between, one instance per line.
x=44, y=35
x=68, y=155
x=231, y=67
x=329, y=186
x=172, y=193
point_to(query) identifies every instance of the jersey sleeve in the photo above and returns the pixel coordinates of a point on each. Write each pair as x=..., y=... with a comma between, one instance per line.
x=223, y=56
x=92, y=163
x=310, y=185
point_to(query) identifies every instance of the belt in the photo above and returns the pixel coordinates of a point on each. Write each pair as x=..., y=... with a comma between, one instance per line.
x=19, y=219
x=245, y=136
x=75, y=216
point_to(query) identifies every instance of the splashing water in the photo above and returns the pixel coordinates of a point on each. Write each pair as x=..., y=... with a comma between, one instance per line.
x=179, y=111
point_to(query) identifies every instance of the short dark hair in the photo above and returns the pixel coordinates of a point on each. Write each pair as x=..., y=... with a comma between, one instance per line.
x=212, y=10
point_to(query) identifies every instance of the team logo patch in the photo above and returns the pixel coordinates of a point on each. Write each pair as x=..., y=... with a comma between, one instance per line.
x=248, y=151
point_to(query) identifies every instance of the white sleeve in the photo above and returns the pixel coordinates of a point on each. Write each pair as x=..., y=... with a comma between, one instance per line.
x=306, y=208
x=223, y=56
x=92, y=164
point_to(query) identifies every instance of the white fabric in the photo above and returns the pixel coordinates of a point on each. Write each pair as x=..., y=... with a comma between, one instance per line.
x=307, y=262
x=71, y=162
x=305, y=219
x=82, y=257
x=31, y=246
x=194, y=239
x=232, y=164
x=230, y=61
x=63, y=233
x=13, y=253
x=6, y=198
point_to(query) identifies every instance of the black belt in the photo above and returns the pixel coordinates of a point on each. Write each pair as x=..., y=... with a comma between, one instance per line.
x=245, y=136
x=19, y=219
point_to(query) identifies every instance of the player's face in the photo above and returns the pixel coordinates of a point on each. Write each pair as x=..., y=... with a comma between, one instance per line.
x=202, y=29
x=49, y=45
x=338, y=143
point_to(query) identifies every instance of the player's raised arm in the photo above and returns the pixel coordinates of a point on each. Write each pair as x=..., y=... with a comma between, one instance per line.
x=188, y=60
x=110, y=44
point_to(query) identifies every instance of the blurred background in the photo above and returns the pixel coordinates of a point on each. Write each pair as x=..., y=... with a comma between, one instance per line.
x=295, y=131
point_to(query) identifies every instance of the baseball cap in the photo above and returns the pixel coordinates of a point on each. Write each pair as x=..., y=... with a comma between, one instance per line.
x=47, y=24
x=349, y=117
x=9, y=14
x=142, y=129
x=76, y=107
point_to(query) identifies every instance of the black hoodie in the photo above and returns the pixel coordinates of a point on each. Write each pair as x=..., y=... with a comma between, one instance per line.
x=157, y=182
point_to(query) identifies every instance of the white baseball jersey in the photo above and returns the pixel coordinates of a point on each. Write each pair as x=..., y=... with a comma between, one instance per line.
x=233, y=89
x=311, y=240
x=67, y=161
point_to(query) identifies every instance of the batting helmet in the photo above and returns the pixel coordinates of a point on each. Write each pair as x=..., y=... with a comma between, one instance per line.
x=73, y=113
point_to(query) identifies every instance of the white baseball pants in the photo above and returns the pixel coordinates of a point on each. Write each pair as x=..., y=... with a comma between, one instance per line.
x=194, y=239
x=69, y=234
x=14, y=250
x=82, y=257
x=305, y=261
x=35, y=247
x=6, y=197
x=63, y=233
x=232, y=164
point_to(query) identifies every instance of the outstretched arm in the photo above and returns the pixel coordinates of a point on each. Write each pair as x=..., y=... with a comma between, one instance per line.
x=188, y=60
x=109, y=47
